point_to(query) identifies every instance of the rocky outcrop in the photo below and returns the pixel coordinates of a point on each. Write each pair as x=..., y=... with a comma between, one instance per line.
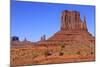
x=72, y=43
x=72, y=29
x=70, y=20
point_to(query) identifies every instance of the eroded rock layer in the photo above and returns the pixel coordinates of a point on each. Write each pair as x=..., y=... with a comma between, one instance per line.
x=72, y=43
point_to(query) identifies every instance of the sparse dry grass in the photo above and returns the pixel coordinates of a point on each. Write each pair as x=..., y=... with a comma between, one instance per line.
x=44, y=55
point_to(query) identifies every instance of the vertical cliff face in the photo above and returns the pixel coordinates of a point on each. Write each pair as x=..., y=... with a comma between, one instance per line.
x=70, y=20
x=72, y=29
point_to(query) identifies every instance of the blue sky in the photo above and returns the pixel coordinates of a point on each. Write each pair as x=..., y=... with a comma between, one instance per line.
x=31, y=20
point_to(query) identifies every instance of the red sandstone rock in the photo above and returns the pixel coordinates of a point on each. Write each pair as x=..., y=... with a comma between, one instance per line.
x=73, y=40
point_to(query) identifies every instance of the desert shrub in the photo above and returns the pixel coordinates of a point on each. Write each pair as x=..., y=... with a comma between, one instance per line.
x=47, y=53
x=63, y=46
x=78, y=53
x=34, y=54
x=91, y=52
x=61, y=54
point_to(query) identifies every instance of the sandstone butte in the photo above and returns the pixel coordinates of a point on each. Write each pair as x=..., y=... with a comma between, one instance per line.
x=72, y=43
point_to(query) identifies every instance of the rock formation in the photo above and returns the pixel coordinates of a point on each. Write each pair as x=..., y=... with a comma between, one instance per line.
x=72, y=29
x=70, y=20
x=43, y=38
x=72, y=43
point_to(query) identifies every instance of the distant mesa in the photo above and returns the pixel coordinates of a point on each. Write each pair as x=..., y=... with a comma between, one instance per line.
x=15, y=38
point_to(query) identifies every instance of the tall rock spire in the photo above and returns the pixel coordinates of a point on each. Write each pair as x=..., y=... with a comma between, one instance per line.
x=84, y=25
x=43, y=38
x=25, y=39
